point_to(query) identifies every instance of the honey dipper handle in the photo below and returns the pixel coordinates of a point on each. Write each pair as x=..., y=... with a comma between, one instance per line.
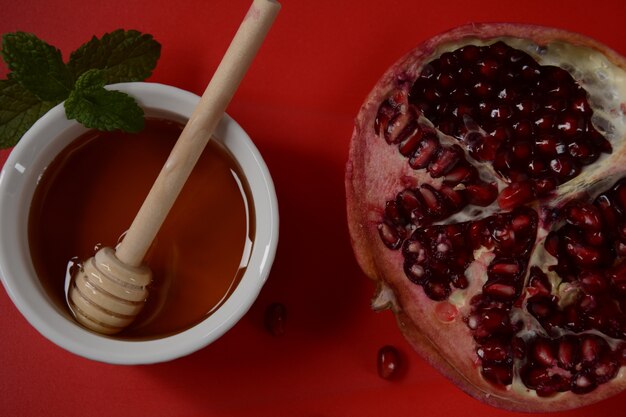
x=198, y=131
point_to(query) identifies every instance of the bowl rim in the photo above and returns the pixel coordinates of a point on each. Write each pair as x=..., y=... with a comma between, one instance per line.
x=15, y=259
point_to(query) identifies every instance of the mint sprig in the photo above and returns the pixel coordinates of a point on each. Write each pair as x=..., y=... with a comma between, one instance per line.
x=123, y=56
x=39, y=80
x=95, y=107
x=36, y=65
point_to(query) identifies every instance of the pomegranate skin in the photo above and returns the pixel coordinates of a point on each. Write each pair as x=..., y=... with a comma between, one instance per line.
x=376, y=172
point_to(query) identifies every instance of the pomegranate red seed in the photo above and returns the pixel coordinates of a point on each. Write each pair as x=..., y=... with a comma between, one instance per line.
x=455, y=199
x=426, y=150
x=546, y=145
x=481, y=193
x=390, y=235
x=516, y=194
x=582, y=150
x=459, y=281
x=568, y=352
x=492, y=322
x=617, y=275
x=593, y=282
x=541, y=307
x=607, y=210
x=537, y=167
x=485, y=148
x=432, y=201
x=591, y=348
x=494, y=350
x=446, y=81
x=500, y=291
x=400, y=127
x=564, y=167
x=584, y=256
x=409, y=144
x=394, y=214
x=436, y=289
x=498, y=374
x=605, y=370
x=505, y=268
x=585, y=216
x=462, y=173
x=595, y=238
x=543, y=352
x=275, y=317
x=408, y=201
x=388, y=362
x=445, y=160
x=545, y=122
x=571, y=125
x=522, y=151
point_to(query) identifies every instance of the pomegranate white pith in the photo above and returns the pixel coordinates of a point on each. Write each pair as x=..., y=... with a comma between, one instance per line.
x=444, y=325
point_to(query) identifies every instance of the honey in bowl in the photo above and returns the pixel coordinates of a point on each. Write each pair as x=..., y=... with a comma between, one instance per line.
x=93, y=189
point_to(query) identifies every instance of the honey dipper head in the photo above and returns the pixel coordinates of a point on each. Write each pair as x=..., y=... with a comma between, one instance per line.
x=106, y=295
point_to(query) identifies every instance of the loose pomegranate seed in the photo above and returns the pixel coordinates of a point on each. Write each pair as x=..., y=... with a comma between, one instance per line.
x=388, y=362
x=275, y=317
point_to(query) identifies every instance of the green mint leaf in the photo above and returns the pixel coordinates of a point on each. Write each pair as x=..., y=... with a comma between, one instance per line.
x=96, y=107
x=37, y=66
x=122, y=55
x=19, y=109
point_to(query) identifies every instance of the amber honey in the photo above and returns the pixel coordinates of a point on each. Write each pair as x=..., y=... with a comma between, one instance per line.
x=88, y=196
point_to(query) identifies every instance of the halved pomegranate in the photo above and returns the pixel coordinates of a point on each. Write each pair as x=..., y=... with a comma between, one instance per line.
x=486, y=194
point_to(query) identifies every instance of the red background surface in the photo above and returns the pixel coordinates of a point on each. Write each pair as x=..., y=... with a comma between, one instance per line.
x=298, y=102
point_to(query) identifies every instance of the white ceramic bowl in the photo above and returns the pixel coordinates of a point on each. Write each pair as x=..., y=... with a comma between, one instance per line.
x=18, y=179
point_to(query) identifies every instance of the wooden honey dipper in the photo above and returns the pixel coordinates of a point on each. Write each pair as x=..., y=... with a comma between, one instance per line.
x=108, y=292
